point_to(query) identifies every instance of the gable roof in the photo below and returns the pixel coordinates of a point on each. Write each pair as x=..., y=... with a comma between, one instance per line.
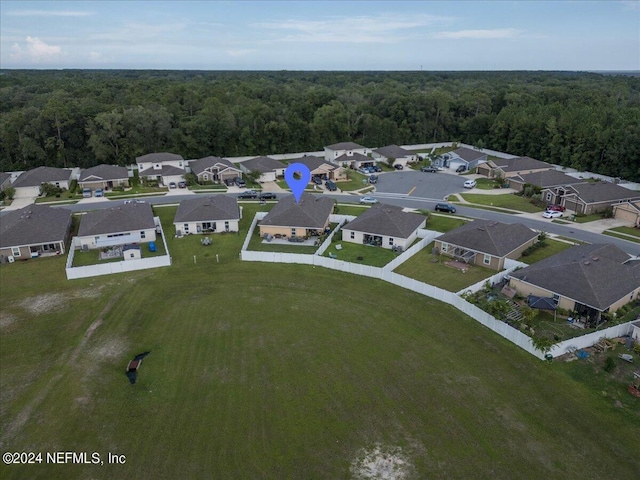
x=485, y=236
x=262, y=164
x=344, y=146
x=523, y=163
x=393, y=151
x=602, y=192
x=34, y=224
x=594, y=275
x=467, y=154
x=103, y=172
x=200, y=165
x=5, y=179
x=355, y=156
x=40, y=175
x=313, y=162
x=546, y=178
x=123, y=218
x=312, y=212
x=159, y=157
x=387, y=220
x=205, y=208
x=165, y=170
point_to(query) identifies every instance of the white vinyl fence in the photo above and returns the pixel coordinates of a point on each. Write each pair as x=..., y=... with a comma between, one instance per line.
x=428, y=236
x=510, y=265
x=591, y=338
x=340, y=220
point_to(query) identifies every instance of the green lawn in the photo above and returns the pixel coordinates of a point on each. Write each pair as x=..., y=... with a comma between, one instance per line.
x=355, y=182
x=443, y=223
x=66, y=195
x=621, y=236
x=356, y=210
x=422, y=268
x=92, y=257
x=627, y=230
x=551, y=248
x=351, y=252
x=588, y=218
x=284, y=372
x=507, y=200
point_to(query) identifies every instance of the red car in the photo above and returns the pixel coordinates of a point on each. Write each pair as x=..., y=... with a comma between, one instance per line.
x=555, y=208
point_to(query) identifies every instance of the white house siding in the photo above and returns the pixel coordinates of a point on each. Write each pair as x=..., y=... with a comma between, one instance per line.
x=398, y=161
x=172, y=178
x=358, y=237
x=158, y=165
x=267, y=177
x=120, y=238
x=331, y=155
x=220, y=226
x=27, y=192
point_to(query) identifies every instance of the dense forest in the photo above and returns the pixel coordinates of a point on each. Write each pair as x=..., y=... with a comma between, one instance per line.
x=85, y=117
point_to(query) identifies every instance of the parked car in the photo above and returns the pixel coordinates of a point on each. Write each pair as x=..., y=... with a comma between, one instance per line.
x=267, y=196
x=230, y=182
x=429, y=169
x=182, y=184
x=377, y=168
x=397, y=166
x=330, y=186
x=240, y=182
x=373, y=179
x=461, y=168
x=173, y=185
x=248, y=194
x=369, y=200
x=552, y=214
x=555, y=208
x=445, y=207
x=317, y=180
x=470, y=184
x=363, y=170
x=99, y=192
x=86, y=193
x=134, y=201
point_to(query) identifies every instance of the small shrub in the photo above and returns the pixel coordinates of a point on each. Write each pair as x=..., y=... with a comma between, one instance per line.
x=609, y=364
x=118, y=188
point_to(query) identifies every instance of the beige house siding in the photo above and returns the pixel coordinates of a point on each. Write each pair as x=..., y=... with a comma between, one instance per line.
x=104, y=183
x=517, y=253
x=484, y=169
x=53, y=248
x=627, y=213
x=284, y=231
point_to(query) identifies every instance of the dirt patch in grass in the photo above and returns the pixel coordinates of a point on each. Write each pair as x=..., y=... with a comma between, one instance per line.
x=6, y=319
x=54, y=301
x=381, y=462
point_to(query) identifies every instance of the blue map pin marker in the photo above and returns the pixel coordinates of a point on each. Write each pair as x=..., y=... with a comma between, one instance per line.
x=297, y=185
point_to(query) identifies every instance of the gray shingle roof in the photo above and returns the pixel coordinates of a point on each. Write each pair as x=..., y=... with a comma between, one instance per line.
x=494, y=238
x=590, y=274
x=386, y=220
x=34, y=224
x=207, y=208
x=123, y=218
x=519, y=164
x=312, y=212
x=344, y=146
x=200, y=165
x=262, y=164
x=159, y=157
x=164, y=171
x=40, y=175
x=468, y=155
x=354, y=157
x=546, y=178
x=103, y=173
x=393, y=151
x=601, y=192
x=312, y=162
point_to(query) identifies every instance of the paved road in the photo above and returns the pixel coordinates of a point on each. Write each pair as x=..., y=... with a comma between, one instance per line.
x=434, y=186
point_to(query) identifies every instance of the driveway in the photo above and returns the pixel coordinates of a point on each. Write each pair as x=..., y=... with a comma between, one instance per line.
x=431, y=186
x=18, y=203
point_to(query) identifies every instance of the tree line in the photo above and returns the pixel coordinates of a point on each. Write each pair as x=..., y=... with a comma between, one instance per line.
x=85, y=117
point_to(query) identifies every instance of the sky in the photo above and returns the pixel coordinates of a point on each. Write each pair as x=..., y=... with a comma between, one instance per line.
x=313, y=35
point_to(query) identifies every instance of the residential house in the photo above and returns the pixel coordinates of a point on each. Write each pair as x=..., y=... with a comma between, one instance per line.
x=348, y=154
x=486, y=243
x=5, y=180
x=385, y=226
x=214, y=170
x=542, y=179
x=207, y=214
x=104, y=176
x=628, y=211
x=34, y=230
x=269, y=168
x=162, y=167
x=588, y=198
x=509, y=167
x=322, y=169
x=29, y=184
x=463, y=156
x=589, y=279
x=399, y=155
x=289, y=218
x=124, y=224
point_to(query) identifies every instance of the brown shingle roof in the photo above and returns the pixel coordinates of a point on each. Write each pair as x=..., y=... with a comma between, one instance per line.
x=495, y=238
x=386, y=220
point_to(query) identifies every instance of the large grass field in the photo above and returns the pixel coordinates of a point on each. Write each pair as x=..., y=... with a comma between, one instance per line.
x=267, y=371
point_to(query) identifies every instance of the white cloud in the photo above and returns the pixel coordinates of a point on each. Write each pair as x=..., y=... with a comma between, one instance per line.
x=35, y=51
x=363, y=29
x=48, y=13
x=480, y=34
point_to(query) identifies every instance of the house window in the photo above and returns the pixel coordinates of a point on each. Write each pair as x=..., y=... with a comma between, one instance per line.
x=444, y=247
x=186, y=228
x=548, y=196
x=556, y=298
x=352, y=235
x=487, y=259
x=293, y=232
x=226, y=225
x=143, y=234
x=390, y=240
x=15, y=251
